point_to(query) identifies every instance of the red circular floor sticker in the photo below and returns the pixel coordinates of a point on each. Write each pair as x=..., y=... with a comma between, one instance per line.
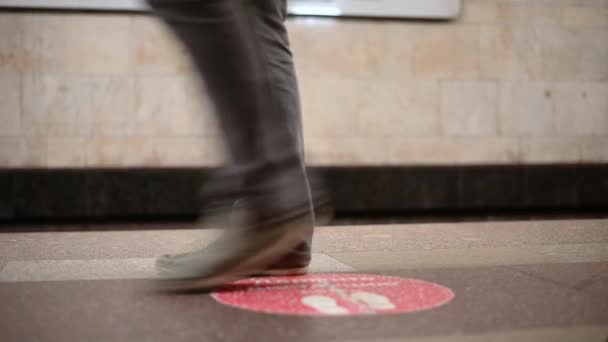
x=334, y=294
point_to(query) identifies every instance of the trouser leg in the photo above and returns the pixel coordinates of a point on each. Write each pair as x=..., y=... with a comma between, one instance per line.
x=241, y=51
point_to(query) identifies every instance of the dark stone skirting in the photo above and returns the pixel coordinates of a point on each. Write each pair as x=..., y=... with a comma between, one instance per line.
x=28, y=194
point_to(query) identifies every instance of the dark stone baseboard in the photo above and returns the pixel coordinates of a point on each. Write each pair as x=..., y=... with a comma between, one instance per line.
x=34, y=194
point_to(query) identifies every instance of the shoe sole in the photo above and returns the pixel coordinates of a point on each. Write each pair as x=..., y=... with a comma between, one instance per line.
x=282, y=272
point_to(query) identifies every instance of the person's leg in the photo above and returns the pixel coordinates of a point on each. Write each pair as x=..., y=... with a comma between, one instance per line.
x=270, y=16
x=228, y=47
x=241, y=52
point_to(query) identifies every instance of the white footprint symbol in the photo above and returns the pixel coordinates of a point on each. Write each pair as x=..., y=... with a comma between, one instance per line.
x=324, y=305
x=375, y=301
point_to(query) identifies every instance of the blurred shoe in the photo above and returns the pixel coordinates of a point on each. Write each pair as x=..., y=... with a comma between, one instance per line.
x=270, y=226
x=295, y=262
x=238, y=253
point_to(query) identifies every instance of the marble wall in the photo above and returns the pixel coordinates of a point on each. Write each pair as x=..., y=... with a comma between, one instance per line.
x=512, y=81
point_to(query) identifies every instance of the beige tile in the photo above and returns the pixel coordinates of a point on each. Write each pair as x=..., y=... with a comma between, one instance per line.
x=314, y=43
x=104, y=244
x=333, y=151
x=155, y=239
x=330, y=105
x=66, y=152
x=10, y=152
x=468, y=108
x=188, y=151
x=594, y=149
x=584, y=252
x=398, y=41
x=575, y=54
x=123, y=268
x=354, y=49
x=11, y=52
x=172, y=106
x=589, y=3
x=151, y=151
x=440, y=258
x=582, y=109
x=479, y=12
x=550, y=150
x=145, y=152
x=507, y=234
x=583, y=16
x=119, y=151
x=473, y=256
x=405, y=108
x=23, y=151
x=562, y=3
x=526, y=108
x=381, y=238
x=453, y=150
x=34, y=151
x=80, y=43
x=440, y=51
x=56, y=105
x=65, y=270
x=10, y=104
x=510, y=52
x=157, y=51
x=389, y=238
x=112, y=106
x=528, y=13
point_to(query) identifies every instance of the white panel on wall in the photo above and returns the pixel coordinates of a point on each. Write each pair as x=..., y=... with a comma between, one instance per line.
x=366, y=8
x=76, y=4
x=378, y=8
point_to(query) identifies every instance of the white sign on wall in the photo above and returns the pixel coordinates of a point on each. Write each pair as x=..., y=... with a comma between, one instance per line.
x=443, y=9
x=440, y=9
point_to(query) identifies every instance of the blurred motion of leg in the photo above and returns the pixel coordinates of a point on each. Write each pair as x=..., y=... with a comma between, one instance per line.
x=241, y=51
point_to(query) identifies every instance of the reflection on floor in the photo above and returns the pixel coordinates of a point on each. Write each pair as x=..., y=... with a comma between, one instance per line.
x=524, y=281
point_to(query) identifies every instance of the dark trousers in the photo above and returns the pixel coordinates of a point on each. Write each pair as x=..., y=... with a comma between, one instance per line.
x=241, y=51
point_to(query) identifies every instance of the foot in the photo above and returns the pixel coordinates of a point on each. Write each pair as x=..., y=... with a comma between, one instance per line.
x=295, y=262
x=270, y=228
x=240, y=252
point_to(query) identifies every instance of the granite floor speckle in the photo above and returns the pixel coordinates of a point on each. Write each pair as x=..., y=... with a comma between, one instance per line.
x=513, y=281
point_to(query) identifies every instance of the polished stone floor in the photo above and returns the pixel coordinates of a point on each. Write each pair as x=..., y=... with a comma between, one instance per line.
x=512, y=281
